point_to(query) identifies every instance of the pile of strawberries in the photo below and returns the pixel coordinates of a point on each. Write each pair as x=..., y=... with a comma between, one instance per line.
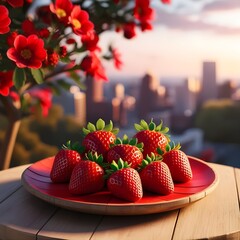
x=149, y=161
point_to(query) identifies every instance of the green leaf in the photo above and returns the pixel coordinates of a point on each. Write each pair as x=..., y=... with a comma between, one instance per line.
x=109, y=127
x=65, y=85
x=152, y=126
x=120, y=164
x=19, y=77
x=144, y=124
x=85, y=131
x=165, y=130
x=133, y=142
x=115, y=131
x=91, y=127
x=100, y=124
x=138, y=127
x=114, y=166
x=118, y=141
x=37, y=75
x=125, y=139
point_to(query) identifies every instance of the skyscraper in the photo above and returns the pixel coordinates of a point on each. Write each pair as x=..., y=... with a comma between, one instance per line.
x=209, y=83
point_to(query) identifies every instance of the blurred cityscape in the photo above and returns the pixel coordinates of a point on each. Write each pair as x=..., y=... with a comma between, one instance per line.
x=176, y=103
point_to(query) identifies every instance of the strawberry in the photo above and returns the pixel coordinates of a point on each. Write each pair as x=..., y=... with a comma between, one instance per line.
x=87, y=176
x=124, y=182
x=151, y=136
x=128, y=150
x=155, y=176
x=64, y=162
x=98, y=138
x=177, y=162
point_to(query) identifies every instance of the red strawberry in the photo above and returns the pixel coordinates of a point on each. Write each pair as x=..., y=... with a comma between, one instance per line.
x=128, y=150
x=178, y=163
x=87, y=176
x=125, y=182
x=98, y=138
x=64, y=162
x=151, y=136
x=155, y=176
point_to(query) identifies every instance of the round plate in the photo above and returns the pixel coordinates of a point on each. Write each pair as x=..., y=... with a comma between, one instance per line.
x=36, y=179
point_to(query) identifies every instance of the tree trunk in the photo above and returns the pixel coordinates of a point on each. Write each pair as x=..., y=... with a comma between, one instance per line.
x=14, y=120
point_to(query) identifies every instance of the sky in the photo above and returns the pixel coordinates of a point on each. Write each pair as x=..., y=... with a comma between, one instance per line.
x=185, y=33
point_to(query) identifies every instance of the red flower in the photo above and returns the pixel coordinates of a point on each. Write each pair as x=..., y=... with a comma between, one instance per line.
x=79, y=21
x=28, y=27
x=4, y=20
x=146, y=26
x=129, y=30
x=52, y=58
x=11, y=38
x=92, y=65
x=143, y=13
x=27, y=52
x=63, y=9
x=16, y=3
x=116, y=58
x=90, y=41
x=166, y=1
x=5, y=82
x=44, y=96
x=71, y=41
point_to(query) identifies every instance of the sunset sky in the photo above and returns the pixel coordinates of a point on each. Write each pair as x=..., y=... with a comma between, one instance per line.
x=185, y=34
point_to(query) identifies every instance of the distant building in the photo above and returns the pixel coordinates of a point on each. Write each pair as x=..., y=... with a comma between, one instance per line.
x=152, y=97
x=186, y=97
x=226, y=89
x=209, y=82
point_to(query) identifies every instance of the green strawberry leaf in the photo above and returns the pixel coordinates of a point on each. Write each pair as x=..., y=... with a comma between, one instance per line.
x=120, y=164
x=100, y=124
x=114, y=166
x=118, y=141
x=115, y=131
x=91, y=127
x=85, y=131
x=144, y=124
x=138, y=127
x=125, y=139
x=109, y=127
x=133, y=142
x=152, y=126
x=165, y=130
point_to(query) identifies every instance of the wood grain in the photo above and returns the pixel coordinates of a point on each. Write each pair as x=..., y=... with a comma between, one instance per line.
x=69, y=225
x=237, y=176
x=10, y=181
x=22, y=215
x=154, y=227
x=217, y=215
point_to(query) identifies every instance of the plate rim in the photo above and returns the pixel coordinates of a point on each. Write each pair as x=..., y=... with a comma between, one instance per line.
x=130, y=208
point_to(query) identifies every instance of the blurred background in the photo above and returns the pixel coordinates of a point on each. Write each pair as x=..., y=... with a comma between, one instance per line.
x=185, y=72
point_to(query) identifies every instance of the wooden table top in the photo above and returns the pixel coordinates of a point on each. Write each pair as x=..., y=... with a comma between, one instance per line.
x=24, y=216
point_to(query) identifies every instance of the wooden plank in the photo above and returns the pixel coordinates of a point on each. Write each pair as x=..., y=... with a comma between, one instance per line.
x=155, y=226
x=217, y=215
x=70, y=225
x=22, y=216
x=10, y=181
x=237, y=176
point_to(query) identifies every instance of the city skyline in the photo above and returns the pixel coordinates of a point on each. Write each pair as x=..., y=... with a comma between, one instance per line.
x=184, y=36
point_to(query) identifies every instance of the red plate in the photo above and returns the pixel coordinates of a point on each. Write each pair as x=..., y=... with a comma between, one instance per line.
x=37, y=181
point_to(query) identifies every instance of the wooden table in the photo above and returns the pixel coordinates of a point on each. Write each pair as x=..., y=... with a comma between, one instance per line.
x=23, y=216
